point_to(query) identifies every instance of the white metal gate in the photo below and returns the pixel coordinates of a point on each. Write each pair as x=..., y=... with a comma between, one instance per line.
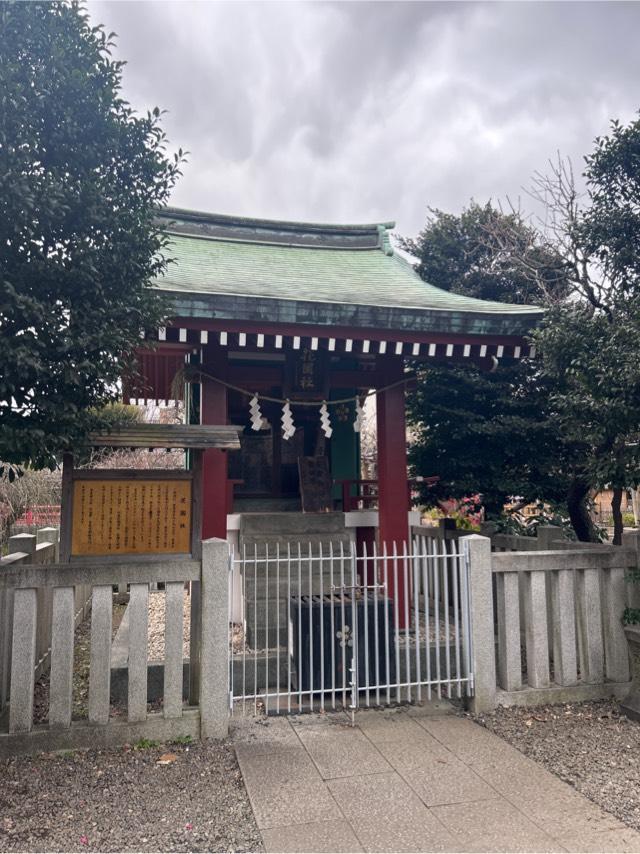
x=319, y=628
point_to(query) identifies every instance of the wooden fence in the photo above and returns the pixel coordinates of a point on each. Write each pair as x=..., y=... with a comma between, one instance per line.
x=27, y=588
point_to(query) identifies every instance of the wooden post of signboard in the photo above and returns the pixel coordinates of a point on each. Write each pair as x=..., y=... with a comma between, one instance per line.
x=66, y=508
x=195, y=651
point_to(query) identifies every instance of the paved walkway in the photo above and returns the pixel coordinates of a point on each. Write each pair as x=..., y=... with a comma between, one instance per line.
x=417, y=779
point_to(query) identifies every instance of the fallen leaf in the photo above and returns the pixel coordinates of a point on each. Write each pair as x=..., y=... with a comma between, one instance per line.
x=166, y=759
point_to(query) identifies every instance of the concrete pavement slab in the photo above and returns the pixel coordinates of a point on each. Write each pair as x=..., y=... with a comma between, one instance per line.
x=342, y=752
x=446, y=782
x=409, y=755
x=292, y=803
x=386, y=815
x=467, y=740
x=431, y=708
x=406, y=782
x=607, y=841
x=494, y=826
x=276, y=769
x=382, y=727
x=319, y=836
x=263, y=735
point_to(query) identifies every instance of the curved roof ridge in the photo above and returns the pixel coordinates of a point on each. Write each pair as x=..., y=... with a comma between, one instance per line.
x=272, y=224
x=468, y=303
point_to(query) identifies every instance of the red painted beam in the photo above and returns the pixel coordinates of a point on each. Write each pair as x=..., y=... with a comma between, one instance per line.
x=393, y=488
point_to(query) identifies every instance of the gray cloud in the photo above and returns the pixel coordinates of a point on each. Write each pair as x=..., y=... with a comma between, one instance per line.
x=364, y=111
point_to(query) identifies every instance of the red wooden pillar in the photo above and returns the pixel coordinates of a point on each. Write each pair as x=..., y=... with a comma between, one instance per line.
x=393, y=481
x=213, y=410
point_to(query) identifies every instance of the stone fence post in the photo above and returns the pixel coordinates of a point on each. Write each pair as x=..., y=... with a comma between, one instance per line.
x=478, y=554
x=52, y=536
x=214, y=655
x=23, y=543
x=546, y=534
x=631, y=540
x=488, y=529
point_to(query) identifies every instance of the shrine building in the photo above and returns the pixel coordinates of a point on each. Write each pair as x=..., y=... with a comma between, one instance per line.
x=307, y=313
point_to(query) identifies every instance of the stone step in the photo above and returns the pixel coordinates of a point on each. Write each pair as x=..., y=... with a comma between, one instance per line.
x=282, y=524
x=266, y=505
x=254, y=608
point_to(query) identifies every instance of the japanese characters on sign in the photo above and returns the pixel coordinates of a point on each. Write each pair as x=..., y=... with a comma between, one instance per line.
x=118, y=517
x=307, y=374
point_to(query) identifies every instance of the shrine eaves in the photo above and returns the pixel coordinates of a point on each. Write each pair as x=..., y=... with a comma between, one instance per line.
x=268, y=285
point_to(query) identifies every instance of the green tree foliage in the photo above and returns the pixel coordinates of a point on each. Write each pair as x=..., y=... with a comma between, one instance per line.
x=80, y=178
x=487, y=254
x=486, y=432
x=590, y=345
x=610, y=227
x=481, y=431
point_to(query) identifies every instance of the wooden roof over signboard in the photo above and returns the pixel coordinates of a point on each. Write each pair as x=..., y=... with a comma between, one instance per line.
x=193, y=436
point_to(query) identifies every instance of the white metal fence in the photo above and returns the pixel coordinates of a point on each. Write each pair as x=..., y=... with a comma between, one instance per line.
x=324, y=628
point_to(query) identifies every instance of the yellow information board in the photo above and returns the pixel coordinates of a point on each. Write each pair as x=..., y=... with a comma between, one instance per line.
x=117, y=517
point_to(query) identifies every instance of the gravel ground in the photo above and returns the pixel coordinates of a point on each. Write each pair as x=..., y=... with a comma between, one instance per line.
x=126, y=800
x=157, y=602
x=81, y=659
x=589, y=745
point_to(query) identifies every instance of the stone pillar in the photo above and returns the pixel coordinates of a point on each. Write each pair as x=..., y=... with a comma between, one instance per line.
x=631, y=540
x=478, y=554
x=488, y=529
x=23, y=543
x=214, y=658
x=50, y=535
x=545, y=536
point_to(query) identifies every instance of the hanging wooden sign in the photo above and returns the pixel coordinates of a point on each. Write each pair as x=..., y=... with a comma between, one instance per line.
x=131, y=516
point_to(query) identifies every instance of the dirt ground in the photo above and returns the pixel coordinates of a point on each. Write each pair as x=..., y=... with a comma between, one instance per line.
x=589, y=745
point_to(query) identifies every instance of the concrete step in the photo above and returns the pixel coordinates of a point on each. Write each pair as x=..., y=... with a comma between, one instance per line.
x=283, y=524
x=284, y=544
x=273, y=590
x=256, y=609
x=266, y=505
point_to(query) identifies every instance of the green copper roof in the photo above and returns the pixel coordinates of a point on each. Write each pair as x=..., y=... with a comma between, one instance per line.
x=348, y=265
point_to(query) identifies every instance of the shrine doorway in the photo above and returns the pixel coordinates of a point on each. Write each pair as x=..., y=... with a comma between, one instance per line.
x=264, y=472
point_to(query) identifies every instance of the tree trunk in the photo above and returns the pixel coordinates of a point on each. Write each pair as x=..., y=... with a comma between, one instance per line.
x=616, y=512
x=578, y=512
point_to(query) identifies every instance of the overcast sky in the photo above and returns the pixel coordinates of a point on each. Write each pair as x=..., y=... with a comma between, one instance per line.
x=358, y=112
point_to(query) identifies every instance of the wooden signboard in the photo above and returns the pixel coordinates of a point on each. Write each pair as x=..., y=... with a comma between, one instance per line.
x=115, y=513
x=131, y=516
x=315, y=484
